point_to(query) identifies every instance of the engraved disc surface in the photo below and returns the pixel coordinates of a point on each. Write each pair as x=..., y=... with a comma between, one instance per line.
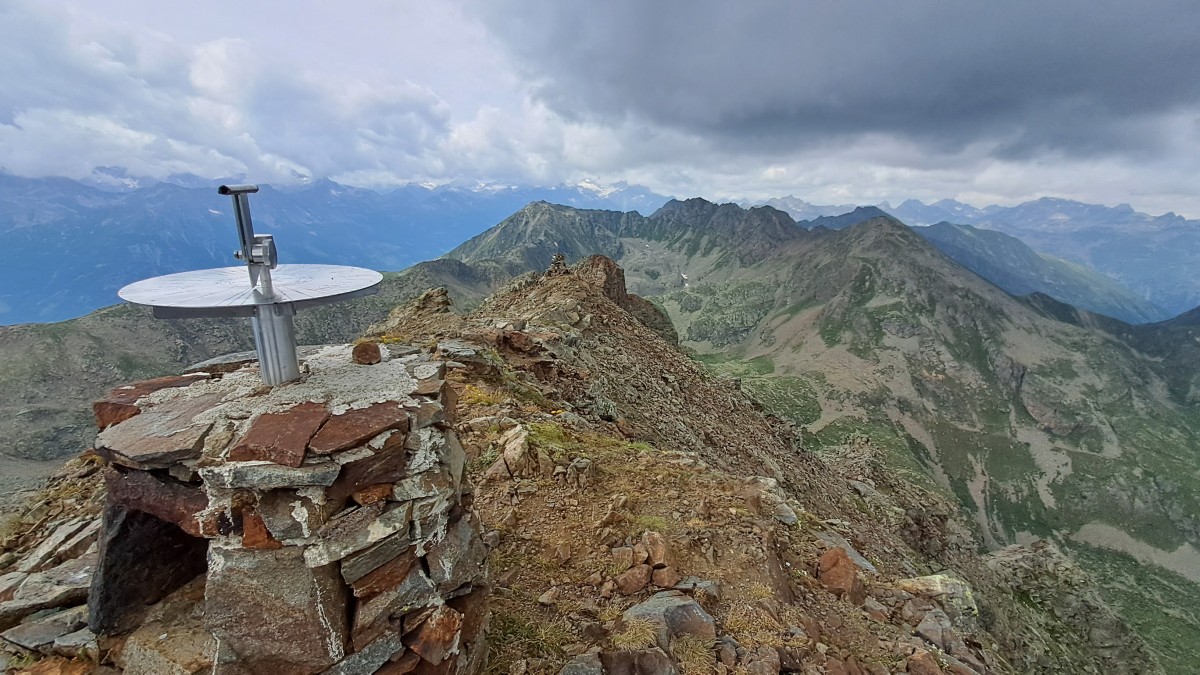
x=226, y=291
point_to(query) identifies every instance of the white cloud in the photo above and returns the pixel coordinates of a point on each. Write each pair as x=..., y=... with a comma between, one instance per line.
x=709, y=101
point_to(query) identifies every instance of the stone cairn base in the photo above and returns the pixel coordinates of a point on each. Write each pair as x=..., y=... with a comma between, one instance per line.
x=329, y=515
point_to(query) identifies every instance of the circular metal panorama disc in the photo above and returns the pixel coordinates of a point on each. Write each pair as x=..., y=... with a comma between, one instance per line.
x=226, y=291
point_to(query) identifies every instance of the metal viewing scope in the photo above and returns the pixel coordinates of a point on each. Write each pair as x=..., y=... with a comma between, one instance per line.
x=275, y=292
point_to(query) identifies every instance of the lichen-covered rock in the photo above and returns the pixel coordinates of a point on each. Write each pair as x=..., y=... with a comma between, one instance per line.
x=275, y=612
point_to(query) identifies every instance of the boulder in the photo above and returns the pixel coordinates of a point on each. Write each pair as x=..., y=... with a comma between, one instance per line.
x=366, y=353
x=954, y=596
x=838, y=573
x=673, y=615
x=633, y=579
x=638, y=662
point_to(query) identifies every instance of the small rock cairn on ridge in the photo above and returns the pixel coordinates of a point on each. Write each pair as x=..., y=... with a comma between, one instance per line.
x=329, y=515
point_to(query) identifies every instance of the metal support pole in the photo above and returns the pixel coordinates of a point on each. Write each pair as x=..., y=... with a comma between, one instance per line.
x=275, y=342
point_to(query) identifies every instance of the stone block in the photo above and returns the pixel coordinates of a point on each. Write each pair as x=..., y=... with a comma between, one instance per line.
x=361, y=564
x=371, y=617
x=437, y=637
x=292, y=514
x=274, y=611
x=386, y=464
x=160, y=436
x=383, y=577
x=281, y=438
x=357, y=530
x=357, y=426
x=141, y=560
x=460, y=556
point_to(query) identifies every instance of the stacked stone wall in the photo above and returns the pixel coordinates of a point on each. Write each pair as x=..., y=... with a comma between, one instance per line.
x=329, y=516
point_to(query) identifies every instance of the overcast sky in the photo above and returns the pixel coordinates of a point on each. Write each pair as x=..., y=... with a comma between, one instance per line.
x=835, y=102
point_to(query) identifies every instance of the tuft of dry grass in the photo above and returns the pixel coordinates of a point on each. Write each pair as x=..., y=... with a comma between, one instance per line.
x=635, y=634
x=695, y=654
x=751, y=626
x=474, y=395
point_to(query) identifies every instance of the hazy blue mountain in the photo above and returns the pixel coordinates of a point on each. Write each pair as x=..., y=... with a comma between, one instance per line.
x=1010, y=264
x=1153, y=256
x=66, y=248
x=914, y=212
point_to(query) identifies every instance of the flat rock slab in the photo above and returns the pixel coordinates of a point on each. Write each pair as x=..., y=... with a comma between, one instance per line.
x=42, y=556
x=160, y=436
x=162, y=498
x=120, y=403
x=39, y=635
x=356, y=531
x=281, y=438
x=357, y=426
x=62, y=586
x=459, y=557
x=276, y=613
x=270, y=476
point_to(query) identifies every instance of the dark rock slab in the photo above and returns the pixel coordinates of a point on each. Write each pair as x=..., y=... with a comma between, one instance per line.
x=459, y=557
x=291, y=515
x=40, y=635
x=355, y=427
x=363, y=563
x=281, y=438
x=162, y=498
x=371, y=617
x=160, y=436
x=276, y=613
x=141, y=560
x=388, y=464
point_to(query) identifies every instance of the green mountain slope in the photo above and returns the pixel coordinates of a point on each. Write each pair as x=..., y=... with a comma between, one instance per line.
x=1041, y=419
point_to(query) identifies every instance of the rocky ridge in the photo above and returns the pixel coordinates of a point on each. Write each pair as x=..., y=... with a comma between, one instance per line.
x=646, y=517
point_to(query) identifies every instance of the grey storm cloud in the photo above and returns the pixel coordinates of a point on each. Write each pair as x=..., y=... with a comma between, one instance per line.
x=1083, y=77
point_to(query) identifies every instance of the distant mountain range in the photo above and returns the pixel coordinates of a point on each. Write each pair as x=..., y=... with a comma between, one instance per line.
x=66, y=248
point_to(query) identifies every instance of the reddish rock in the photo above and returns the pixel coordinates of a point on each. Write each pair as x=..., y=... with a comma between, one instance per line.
x=403, y=665
x=387, y=466
x=387, y=576
x=634, y=579
x=923, y=663
x=665, y=577
x=254, y=532
x=119, y=404
x=164, y=499
x=281, y=437
x=366, y=353
x=640, y=554
x=370, y=495
x=437, y=637
x=659, y=553
x=429, y=387
x=839, y=574
x=159, y=436
x=474, y=608
x=355, y=427
x=58, y=666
